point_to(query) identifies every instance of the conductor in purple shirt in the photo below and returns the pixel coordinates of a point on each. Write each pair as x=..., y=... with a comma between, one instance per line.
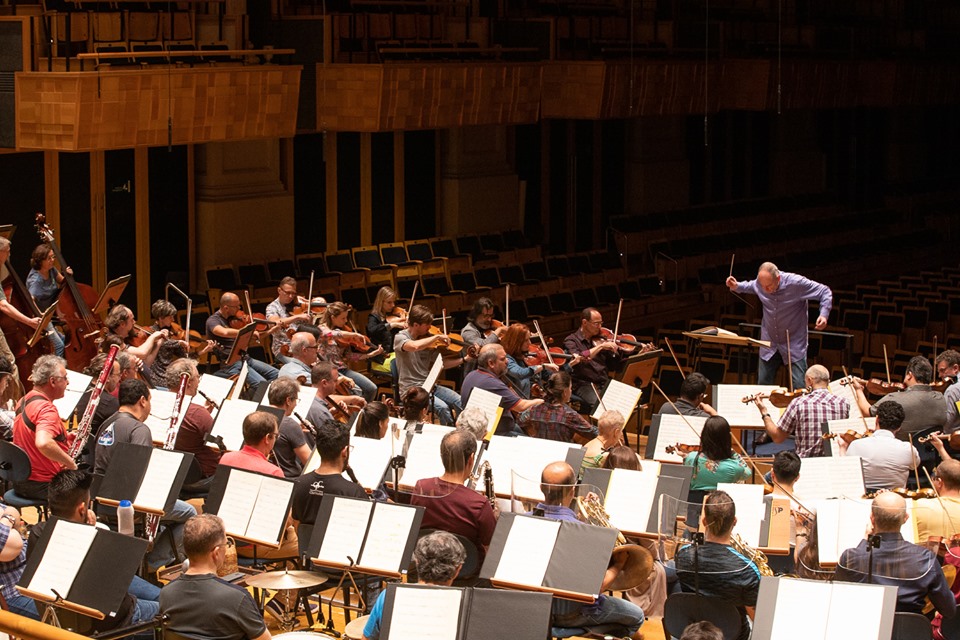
x=784, y=297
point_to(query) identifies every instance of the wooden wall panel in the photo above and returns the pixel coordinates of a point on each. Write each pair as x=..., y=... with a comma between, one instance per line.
x=84, y=111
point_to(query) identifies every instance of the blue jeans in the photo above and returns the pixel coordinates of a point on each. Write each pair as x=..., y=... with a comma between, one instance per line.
x=23, y=606
x=614, y=616
x=767, y=372
x=257, y=371
x=143, y=590
x=446, y=401
x=56, y=341
x=145, y=610
x=362, y=386
x=163, y=554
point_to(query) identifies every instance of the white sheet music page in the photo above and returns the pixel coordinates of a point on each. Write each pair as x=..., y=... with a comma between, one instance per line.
x=842, y=426
x=843, y=525
x=845, y=391
x=77, y=383
x=527, y=552
x=239, y=498
x=67, y=548
x=748, y=499
x=730, y=404
x=312, y=463
x=389, y=531
x=305, y=398
x=860, y=607
x=630, y=496
x=158, y=479
x=425, y=614
x=369, y=460
x=518, y=463
x=229, y=422
x=434, y=374
x=674, y=431
x=161, y=410
x=423, y=458
x=215, y=387
x=271, y=510
x=487, y=402
x=822, y=478
x=618, y=397
x=815, y=596
x=345, y=530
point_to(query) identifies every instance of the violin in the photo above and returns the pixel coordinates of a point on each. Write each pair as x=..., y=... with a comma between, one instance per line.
x=942, y=384
x=494, y=325
x=537, y=356
x=317, y=305
x=847, y=436
x=781, y=398
x=628, y=342
x=953, y=439
x=909, y=494
x=455, y=344
x=399, y=315
x=681, y=449
x=879, y=387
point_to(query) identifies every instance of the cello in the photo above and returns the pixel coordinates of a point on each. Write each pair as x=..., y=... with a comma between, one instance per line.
x=73, y=308
x=17, y=334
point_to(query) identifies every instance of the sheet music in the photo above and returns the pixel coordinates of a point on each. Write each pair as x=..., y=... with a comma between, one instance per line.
x=842, y=426
x=161, y=471
x=487, y=402
x=423, y=458
x=77, y=383
x=520, y=461
x=618, y=397
x=240, y=381
x=425, y=614
x=270, y=511
x=673, y=430
x=730, y=404
x=345, y=529
x=239, y=498
x=527, y=552
x=66, y=550
x=434, y=374
x=822, y=478
x=748, y=499
x=369, y=460
x=842, y=524
x=229, y=422
x=305, y=397
x=389, y=531
x=161, y=410
x=845, y=391
x=856, y=614
x=630, y=497
x=215, y=387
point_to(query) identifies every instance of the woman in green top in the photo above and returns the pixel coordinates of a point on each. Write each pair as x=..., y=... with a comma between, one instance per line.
x=715, y=462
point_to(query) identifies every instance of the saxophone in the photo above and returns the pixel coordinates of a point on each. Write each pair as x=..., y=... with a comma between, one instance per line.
x=754, y=555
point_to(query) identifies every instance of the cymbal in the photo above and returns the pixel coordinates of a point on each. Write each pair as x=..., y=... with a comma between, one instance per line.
x=354, y=629
x=636, y=570
x=286, y=579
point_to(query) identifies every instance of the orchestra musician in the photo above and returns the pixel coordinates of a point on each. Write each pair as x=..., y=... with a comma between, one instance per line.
x=120, y=322
x=948, y=367
x=479, y=329
x=475, y=421
x=553, y=419
x=12, y=311
x=805, y=415
x=609, y=435
x=7, y=416
x=38, y=429
x=491, y=366
x=940, y=518
x=333, y=445
x=260, y=432
x=44, y=282
x=303, y=355
x=416, y=352
x=383, y=323
x=294, y=444
x=196, y=425
x=516, y=342
x=324, y=377
x=693, y=398
x=716, y=461
x=334, y=328
x=887, y=461
x=281, y=311
x=922, y=406
x=616, y=616
x=784, y=297
x=219, y=329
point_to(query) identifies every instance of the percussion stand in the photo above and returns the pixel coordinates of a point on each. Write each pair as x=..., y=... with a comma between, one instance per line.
x=360, y=606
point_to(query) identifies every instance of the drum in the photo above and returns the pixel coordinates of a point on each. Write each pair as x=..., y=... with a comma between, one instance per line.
x=302, y=635
x=354, y=630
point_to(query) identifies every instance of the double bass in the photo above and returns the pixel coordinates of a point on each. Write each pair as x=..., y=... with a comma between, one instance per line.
x=73, y=308
x=17, y=334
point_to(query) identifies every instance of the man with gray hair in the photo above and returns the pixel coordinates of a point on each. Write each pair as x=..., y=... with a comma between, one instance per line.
x=805, y=415
x=784, y=298
x=474, y=420
x=303, y=355
x=38, y=430
x=491, y=366
x=922, y=406
x=439, y=557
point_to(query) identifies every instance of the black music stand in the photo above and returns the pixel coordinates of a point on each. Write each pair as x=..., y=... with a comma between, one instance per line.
x=637, y=371
x=41, y=329
x=110, y=295
x=240, y=344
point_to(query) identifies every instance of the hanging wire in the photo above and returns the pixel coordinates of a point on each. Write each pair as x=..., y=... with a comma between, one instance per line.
x=706, y=74
x=779, y=52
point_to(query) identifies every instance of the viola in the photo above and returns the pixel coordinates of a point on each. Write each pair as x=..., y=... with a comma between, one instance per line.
x=909, y=494
x=537, y=356
x=781, y=398
x=942, y=384
x=317, y=305
x=879, y=387
x=456, y=343
x=398, y=315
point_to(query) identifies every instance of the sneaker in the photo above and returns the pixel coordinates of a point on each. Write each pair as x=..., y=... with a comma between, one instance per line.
x=275, y=609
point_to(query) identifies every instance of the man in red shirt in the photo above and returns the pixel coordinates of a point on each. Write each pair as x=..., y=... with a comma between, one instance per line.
x=38, y=430
x=260, y=431
x=197, y=422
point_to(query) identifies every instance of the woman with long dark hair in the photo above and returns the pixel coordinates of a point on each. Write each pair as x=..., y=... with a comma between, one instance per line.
x=715, y=462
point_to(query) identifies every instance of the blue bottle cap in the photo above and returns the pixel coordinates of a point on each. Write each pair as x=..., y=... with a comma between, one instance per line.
x=126, y=503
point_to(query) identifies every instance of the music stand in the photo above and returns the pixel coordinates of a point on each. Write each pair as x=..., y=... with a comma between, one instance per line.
x=638, y=370
x=241, y=343
x=40, y=331
x=110, y=295
x=715, y=335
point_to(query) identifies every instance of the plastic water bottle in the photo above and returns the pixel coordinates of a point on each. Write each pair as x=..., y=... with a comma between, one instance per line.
x=125, y=517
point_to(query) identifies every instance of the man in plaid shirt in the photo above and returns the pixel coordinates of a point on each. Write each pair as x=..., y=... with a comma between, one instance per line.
x=805, y=415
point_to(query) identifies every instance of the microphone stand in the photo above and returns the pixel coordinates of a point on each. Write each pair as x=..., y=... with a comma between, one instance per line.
x=873, y=542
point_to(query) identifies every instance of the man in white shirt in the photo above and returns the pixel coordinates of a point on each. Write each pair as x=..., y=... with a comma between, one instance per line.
x=887, y=461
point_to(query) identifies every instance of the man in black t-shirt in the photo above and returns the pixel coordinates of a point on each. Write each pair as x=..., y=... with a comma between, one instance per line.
x=333, y=443
x=219, y=330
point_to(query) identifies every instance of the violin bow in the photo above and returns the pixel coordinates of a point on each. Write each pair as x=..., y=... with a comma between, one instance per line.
x=789, y=363
x=444, y=311
x=616, y=326
x=246, y=296
x=186, y=328
x=543, y=341
x=310, y=297
x=886, y=363
x=599, y=398
x=676, y=361
x=413, y=296
x=862, y=417
x=916, y=473
x=506, y=309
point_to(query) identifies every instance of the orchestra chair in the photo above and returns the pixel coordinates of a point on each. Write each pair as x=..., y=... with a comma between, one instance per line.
x=912, y=626
x=14, y=467
x=682, y=609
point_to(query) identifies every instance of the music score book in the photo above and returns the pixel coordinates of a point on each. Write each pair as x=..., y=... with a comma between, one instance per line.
x=253, y=507
x=567, y=559
x=420, y=611
x=422, y=457
x=841, y=525
x=489, y=403
x=161, y=410
x=90, y=568
x=434, y=374
x=823, y=478
x=728, y=400
x=216, y=388
x=41, y=329
x=365, y=536
x=150, y=478
x=618, y=397
x=845, y=391
x=517, y=463
x=669, y=430
x=831, y=447
x=229, y=423
x=629, y=496
x=369, y=461
x=830, y=610
x=305, y=397
x=77, y=384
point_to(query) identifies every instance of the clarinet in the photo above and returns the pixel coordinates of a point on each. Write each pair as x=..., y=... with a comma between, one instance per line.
x=353, y=476
x=83, y=430
x=153, y=520
x=306, y=424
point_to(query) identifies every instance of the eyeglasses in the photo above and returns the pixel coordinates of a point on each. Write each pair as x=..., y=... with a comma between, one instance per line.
x=595, y=322
x=58, y=378
x=312, y=346
x=288, y=293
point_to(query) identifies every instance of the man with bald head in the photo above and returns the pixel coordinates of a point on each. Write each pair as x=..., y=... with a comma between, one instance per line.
x=805, y=415
x=607, y=615
x=220, y=331
x=913, y=569
x=784, y=298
